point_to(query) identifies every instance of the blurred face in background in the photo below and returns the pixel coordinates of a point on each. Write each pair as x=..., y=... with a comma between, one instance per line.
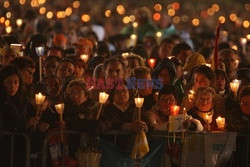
x=65, y=69
x=11, y=84
x=165, y=50
x=27, y=74
x=121, y=95
x=77, y=95
x=200, y=80
x=164, y=76
x=50, y=67
x=220, y=83
x=245, y=105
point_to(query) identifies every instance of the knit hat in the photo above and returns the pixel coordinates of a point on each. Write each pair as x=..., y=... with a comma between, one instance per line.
x=194, y=59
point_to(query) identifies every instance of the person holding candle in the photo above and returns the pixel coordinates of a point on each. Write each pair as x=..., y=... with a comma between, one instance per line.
x=203, y=108
x=64, y=69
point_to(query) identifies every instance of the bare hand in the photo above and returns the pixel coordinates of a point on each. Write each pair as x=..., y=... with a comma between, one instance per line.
x=138, y=126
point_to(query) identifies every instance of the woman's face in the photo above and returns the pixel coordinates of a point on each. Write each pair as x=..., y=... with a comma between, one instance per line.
x=245, y=105
x=165, y=102
x=11, y=84
x=27, y=74
x=220, y=83
x=77, y=95
x=164, y=76
x=121, y=95
x=79, y=71
x=65, y=69
x=204, y=101
x=200, y=80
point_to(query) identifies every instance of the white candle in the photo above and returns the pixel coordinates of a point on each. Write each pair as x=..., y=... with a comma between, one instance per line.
x=19, y=23
x=191, y=96
x=59, y=108
x=85, y=57
x=39, y=98
x=243, y=42
x=220, y=122
x=133, y=40
x=158, y=36
x=139, y=102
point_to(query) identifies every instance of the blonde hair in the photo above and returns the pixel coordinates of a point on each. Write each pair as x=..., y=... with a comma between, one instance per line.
x=204, y=90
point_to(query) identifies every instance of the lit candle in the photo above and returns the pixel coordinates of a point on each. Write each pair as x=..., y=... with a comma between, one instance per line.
x=243, y=42
x=158, y=36
x=220, y=122
x=103, y=97
x=133, y=40
x=235, y=86
x=248, y=37
x=19, y=23
x=135, y=25
x=207, y=64
x=151, y=63
x=125, y=55
x=85, y=57
x=139, y=102
x=174, y=110
x=39, y=98
x=207, y=122
x=191, y=96
x=60, y=109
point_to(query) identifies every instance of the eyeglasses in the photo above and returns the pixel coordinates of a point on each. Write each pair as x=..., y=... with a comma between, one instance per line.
x=168, y=100
x=78, y=94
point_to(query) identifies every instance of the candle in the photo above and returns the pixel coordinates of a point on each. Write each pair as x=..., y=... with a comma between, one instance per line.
x=207, y=64
x=158, y=36
x=19, y=22
x=60, y=109
x=135, y=25
x=220, y=122
x=40, y=50
x=103, y=97
x=235, y=85
x=151, y=63
x=248, y=37
x=39, y=98
x=125, y=55
x=139, y=102
x=174, y=110
x=191, y=96
x=133, y=40
x=85, y=57
x=243, y=42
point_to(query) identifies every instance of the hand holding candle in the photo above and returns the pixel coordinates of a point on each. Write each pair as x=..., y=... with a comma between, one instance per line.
x=103, y=97
x=220, y=123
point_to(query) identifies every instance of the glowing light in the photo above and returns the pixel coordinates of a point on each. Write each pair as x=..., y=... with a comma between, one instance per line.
x=176, y=19
x=204, y=14
x=7, y=23
x=169, y=6
x=2, y=20
x=222, y=19
x=210, y=12
x=126, y=20
x=176, y=5
x=171, y=12
x=108, y=13
x=8, y=15
x=234, y=47
x=248, y=37
x=85, y=18
x=135, y=24
x=8, y=29
x=42, y=10
x=19, y=22
x=158, y=7
x=132, y=18
x=68, y=11
x=22, y=2
x=6, y=4
x=233, y=17
x=156, y=16
x=49, y=15
x=34, y=3
x=215, y=7
x=120, y=9
x=60, y=14
x=76, y=4
x=41, y=1
x=245, y=24
x=195, y=22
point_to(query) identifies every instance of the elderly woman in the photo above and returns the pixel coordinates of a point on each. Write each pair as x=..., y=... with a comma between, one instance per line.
x=203, y=108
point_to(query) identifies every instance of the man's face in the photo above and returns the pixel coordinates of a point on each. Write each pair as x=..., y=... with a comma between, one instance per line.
x=165, y=101
x=114, y=70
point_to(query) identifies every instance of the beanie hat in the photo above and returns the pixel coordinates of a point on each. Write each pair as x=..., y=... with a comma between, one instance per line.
x=194, y=59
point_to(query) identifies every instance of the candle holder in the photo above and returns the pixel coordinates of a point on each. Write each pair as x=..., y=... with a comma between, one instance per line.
x=85, y=57
x=103, y=97
x=151, y=63
x=234, y=85
x=60, y=109
x=40, y=52
x=139, y=103
x=220, y=123
x=39, y=99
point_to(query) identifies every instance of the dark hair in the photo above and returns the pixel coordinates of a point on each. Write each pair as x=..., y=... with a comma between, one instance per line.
x=102, y=49
x=51, y=58
x=205, y=70
x=7, y=71
x=206, y=52
x=245, y=91
x=168, y=89
x=23, y=62
x=179, y=47
x=59, y=49
x=140, y=50
x=167, y=40
x=219, y=72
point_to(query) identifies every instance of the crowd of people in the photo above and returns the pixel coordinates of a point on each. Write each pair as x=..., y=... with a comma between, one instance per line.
x=76, y=68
